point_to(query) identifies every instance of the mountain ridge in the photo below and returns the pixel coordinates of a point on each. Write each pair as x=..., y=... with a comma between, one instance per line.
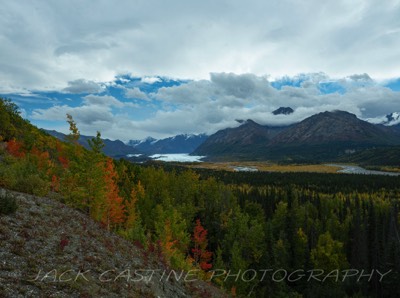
x=182, y=143
x=111, y=148
x=323, y=136
x=238, y=140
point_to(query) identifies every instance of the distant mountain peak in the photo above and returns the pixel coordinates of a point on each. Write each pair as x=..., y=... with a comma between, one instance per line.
x=182, y=143
x=283, y=111
x=244, y=122
x=332, y=127
x=149, y=139
x=249, y=122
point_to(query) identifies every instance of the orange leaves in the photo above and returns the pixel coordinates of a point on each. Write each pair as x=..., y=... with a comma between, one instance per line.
x=15, y=148
x=55, y=183
x=169, y=243
x=64, y=162
x=42, y=159
x=201, y=256
x=131, y=209
x=115, y=209
x=137, y=193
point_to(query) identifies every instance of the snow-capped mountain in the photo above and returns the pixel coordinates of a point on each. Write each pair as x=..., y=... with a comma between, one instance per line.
x=147, y=140
x=184, y=143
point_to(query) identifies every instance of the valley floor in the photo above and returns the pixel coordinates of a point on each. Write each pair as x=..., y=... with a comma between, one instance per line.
x=254, y=166
x=266, y=167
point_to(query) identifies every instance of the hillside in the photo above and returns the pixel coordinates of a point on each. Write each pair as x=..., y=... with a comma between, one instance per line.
x=45, y=239
x=375, y=157
x=241, y=142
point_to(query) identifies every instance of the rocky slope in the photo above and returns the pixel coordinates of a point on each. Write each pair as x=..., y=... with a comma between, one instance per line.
x=50, y=250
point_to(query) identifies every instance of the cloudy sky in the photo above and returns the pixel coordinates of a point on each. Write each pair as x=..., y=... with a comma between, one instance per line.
x=133, y=69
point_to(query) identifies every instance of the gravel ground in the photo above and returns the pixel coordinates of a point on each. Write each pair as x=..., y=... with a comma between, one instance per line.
x=50, y=250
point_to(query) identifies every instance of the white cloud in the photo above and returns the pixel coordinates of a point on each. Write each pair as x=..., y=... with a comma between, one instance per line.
x=135, y=92
x=150, y=80
x=206, y=106
x=86, y=115
x=82, y=86
x=95, y=113
x=210, y=105
x=46, y=44
x=104, y=100
x=190, y=93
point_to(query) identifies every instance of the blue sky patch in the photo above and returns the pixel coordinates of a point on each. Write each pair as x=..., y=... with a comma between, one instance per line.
x=289, y=81
x=331, y=87
x=394, y=85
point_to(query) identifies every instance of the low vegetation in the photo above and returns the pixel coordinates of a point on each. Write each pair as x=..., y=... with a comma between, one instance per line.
x=8, y=204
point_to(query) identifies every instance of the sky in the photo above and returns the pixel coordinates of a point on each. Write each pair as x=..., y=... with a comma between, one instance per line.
x=132, y=69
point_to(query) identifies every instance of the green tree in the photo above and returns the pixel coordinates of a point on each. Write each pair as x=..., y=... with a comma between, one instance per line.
x=74, y=134
x=96, y=144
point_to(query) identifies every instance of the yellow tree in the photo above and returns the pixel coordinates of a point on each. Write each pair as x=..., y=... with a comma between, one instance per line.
x=113, y=213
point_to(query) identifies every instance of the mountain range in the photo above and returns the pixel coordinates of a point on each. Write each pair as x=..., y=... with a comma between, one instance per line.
x=111, y=148
x=238, y=142
x=183, y=143
x=322, y=137
x=326, y=136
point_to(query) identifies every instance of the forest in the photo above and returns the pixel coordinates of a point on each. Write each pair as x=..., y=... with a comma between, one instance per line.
x=252, y=234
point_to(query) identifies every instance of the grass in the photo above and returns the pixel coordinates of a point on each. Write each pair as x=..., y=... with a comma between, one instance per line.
x=8, y=204
x=267, y=167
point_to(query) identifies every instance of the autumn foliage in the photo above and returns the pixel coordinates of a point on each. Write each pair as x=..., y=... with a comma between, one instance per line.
x=15, y=148
x=114, y=212
x=201, y=256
